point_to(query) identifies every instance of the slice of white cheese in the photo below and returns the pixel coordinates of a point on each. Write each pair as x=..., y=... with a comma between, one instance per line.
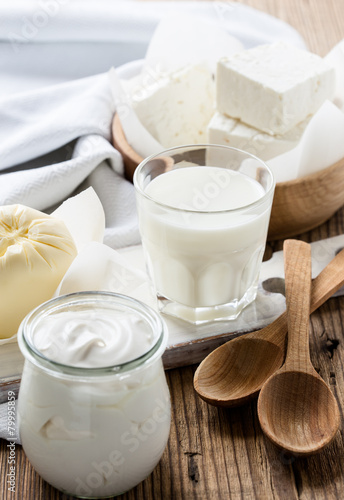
x=177, y=108
x=231, y=132
x=36, y=250
x=273, y=87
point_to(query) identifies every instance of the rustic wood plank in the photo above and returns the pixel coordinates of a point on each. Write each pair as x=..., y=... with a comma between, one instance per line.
x=319, y=22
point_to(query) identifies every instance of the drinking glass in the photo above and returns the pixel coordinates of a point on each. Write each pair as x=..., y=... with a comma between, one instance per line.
x=204, y=212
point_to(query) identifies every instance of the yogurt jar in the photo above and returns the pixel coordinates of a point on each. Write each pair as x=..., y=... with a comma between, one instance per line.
x=94, y=406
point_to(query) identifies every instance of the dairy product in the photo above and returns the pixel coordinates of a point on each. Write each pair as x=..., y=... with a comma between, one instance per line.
x=93, y=433
x=91, y=340
x=273, y=87
x=176, y=109
x=208, y=189
x=231, y=132
x=36, y=250
x=203, y=248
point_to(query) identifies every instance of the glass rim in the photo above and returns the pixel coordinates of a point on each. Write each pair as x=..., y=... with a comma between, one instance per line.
x=32, y=353
x=142, y=192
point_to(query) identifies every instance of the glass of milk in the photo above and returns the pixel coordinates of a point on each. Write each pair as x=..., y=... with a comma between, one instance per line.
x=94, y=405
x=204, y=212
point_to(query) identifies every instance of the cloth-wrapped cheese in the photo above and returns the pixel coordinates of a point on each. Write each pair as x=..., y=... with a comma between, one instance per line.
x=36, y=250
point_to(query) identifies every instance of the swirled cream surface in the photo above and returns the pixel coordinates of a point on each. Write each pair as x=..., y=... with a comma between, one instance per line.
x=90, y=340
x=94, y=435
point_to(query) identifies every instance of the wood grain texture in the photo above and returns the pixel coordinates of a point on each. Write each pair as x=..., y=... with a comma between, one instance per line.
x=217, y=453
x=296, y=408
x=303, y=204
x=298, y=278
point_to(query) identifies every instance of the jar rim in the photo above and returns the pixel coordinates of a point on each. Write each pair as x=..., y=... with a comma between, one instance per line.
x=33, y=354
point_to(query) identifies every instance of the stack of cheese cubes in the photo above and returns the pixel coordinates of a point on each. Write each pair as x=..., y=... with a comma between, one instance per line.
x=265, y=97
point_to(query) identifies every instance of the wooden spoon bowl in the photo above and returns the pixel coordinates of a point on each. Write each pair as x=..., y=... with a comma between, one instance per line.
x=296, y=409
x=298, y=206
x=317, y=412
x=234, y=374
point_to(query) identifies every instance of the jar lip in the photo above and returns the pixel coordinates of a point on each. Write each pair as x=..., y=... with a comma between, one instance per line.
x=191, y=147
x=30, y=351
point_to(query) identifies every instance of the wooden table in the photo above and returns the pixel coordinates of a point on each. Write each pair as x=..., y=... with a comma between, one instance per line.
x=222, y=454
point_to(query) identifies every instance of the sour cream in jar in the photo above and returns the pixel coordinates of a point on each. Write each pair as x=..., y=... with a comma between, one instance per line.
x=94, y=406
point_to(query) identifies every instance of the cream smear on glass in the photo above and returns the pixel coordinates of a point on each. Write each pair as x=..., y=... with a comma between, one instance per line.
x=94, y=406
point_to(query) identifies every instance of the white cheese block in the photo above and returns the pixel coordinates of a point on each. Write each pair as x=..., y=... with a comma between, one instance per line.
x=177, y=108
x=231, y=132
x=273, y=87
x=36, y=250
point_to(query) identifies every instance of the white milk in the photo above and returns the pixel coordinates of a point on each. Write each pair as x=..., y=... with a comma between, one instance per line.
x=203, y=248
x=93, y=435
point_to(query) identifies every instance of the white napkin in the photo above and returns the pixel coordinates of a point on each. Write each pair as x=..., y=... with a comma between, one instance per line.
x=321, y=144
x=191, y=46
x=56, y=140
x=44, y=42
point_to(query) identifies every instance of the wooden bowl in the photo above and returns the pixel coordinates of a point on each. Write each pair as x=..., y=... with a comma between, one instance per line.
x=303, y=204
x=298, y=206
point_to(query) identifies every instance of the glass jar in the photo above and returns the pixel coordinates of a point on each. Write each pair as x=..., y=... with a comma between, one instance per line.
x=93, y=432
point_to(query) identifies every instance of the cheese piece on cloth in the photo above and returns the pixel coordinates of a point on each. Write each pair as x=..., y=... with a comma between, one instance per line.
x=36, y=250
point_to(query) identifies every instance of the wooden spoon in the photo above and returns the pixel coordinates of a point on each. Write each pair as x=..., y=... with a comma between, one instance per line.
x=234, y=373
x=296, y=409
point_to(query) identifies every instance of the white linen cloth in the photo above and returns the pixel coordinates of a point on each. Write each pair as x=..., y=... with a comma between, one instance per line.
x=57, y=139
x=56, y=106
x=50, y=41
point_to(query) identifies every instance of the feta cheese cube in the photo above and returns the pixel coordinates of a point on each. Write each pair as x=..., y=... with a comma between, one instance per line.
x=231, y=132
x=273, y=87
x=176, y=110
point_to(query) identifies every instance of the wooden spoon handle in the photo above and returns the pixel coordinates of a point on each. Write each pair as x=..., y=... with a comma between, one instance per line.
x=298, y=279
x=328, y=281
